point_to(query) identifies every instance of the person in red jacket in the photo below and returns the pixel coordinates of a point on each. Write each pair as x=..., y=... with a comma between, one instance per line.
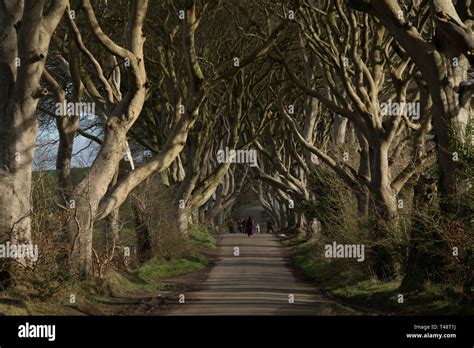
x=249, y=227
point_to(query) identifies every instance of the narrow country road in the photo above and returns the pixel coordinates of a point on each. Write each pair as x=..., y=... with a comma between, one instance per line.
x=256, y=282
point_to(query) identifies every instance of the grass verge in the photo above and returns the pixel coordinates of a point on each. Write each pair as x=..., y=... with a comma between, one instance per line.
x=88, y=297
x=151, y=276
x=350, y=284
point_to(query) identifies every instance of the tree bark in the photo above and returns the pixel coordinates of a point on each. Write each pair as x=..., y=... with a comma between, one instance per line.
x=23, y=52
x=384, y=213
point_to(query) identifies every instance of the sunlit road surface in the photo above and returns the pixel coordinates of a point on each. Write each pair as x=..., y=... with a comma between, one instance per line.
x=256, y=282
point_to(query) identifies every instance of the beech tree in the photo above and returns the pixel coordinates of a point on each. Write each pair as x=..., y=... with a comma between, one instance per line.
x=354, y=68
x=27, y=28
x=443, y=57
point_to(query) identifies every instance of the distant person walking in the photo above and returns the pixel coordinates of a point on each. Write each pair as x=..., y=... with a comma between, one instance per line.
x=249, y=227
x=257, y=228
x=231, y=225
x=270, y=226
x=240, y=226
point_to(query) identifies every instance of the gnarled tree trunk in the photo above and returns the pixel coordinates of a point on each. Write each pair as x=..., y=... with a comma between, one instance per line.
x=23, y=52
